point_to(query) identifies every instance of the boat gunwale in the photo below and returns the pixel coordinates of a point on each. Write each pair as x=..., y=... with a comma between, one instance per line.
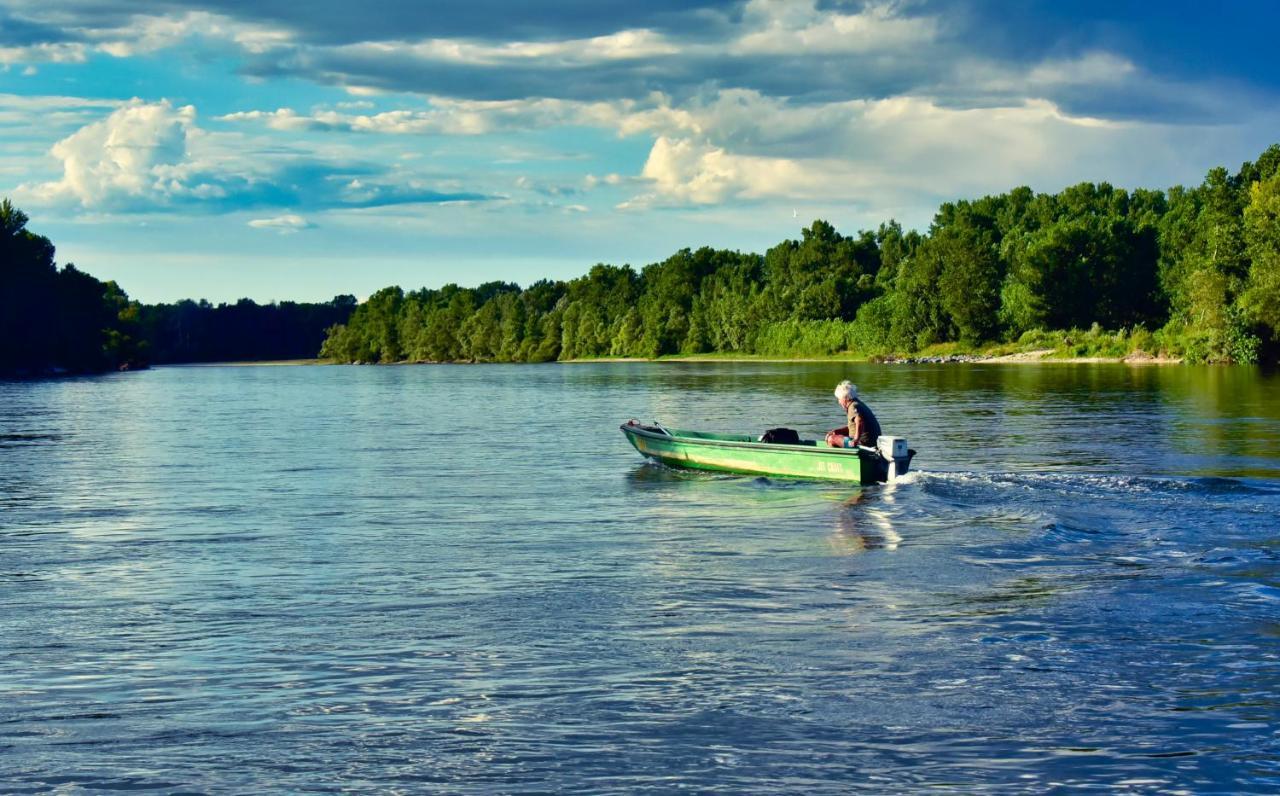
x=772, y=447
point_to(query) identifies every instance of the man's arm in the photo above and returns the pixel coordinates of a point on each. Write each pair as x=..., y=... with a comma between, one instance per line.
x=837, y=436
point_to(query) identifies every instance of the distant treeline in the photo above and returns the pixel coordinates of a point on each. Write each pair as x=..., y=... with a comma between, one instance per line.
x=191, y=331
x=64, y=321
x=1191, y=272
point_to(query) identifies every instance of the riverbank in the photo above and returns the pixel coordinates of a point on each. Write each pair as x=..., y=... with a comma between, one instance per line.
x=1038, y=356
x=57, y=372
x=249, y=363
x=1047, y=355
x=929, y=357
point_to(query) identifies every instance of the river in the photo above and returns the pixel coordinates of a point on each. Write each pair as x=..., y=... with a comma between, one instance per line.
x=462, y=579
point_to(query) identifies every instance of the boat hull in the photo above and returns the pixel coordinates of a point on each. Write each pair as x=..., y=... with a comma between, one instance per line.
x=742, y=454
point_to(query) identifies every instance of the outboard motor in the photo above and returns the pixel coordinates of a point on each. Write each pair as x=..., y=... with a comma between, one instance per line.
x=895, y=452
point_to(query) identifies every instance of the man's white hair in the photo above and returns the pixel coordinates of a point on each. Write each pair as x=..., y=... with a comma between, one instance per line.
x=846, y=389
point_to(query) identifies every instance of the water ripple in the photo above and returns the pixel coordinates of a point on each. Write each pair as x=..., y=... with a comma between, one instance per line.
x=344, y=579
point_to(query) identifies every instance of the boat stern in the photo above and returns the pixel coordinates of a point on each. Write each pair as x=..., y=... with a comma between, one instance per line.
x=896, y=455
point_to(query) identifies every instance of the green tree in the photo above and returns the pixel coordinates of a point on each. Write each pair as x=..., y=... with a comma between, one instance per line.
x=969, y=280
x=1261, y=297
x=28, y=285
x=54, y=319
x=917, y=316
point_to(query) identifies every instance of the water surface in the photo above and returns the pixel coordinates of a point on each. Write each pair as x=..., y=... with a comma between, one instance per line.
x=462, y=579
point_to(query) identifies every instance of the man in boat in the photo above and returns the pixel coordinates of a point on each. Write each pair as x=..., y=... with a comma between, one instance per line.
x=863, y=428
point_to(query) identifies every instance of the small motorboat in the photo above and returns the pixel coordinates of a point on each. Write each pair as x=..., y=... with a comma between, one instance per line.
x=743, y=453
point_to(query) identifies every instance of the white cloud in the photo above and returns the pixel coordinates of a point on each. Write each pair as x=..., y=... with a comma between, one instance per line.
x=149, y=34
x=740, y=144
x=147, y=157
x=44, y=102
x=788, y=27
x=362, y=91
x=765, y=28
x=980, y=76
x=684, y=170
x=135, y=154
x=592, y=180
x=146, y=33
x=619, y=46
x=55, y=53
x=901, y=151
x=443, y=117
x=48, y=113
x=881, y=106
x=282, y=119
x=1090, y=69
x=286, y=224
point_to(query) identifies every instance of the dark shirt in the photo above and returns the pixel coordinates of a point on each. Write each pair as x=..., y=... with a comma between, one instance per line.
x=869, y=431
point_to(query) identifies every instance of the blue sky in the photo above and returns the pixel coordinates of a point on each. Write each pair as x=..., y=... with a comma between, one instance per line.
x=280, y=150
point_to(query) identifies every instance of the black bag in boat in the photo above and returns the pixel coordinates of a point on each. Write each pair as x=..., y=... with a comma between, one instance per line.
x=781, y=436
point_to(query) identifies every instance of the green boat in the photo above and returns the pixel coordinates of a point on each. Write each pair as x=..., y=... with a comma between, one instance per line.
x=742, y=453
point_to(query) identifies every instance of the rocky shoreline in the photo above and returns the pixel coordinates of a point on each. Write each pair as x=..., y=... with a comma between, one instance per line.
x=1041, y=355
x=931, y=360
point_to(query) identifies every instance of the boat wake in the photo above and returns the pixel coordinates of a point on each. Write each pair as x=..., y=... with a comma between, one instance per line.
x=1095, y=483
x=1060, y=516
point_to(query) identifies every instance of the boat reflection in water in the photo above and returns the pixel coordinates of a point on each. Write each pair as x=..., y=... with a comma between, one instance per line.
x=862, y=517
x=863, y=525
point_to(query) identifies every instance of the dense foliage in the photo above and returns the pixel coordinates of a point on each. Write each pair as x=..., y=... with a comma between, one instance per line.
x=197, y=331
x=1185, y=272
x=55, y=319
x=64, y=321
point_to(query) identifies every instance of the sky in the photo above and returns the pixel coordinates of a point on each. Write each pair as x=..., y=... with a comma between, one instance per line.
x=279, y=150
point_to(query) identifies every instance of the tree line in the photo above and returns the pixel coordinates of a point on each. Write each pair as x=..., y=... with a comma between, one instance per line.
x=1188, y=272
x=197, y=331
x=62, y=320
